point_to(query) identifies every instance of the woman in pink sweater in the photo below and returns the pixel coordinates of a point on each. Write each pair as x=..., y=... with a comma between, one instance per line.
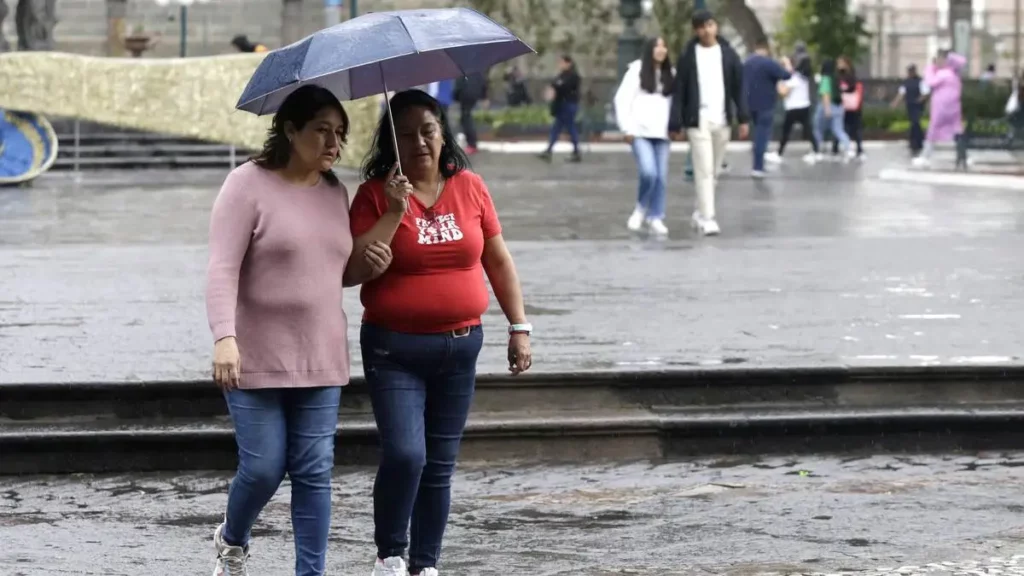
x=280, y=244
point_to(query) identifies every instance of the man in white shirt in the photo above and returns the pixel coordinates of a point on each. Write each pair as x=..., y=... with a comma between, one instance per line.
x=709, y=87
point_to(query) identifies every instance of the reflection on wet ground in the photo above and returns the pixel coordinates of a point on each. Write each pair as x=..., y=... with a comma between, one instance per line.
x=819, y=265
x=739, y=516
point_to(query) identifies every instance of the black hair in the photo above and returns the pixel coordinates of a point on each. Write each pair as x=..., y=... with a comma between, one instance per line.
x=243, y=44
x=381, y=156
x=647, y=76
x=828, y=67
x=762, y=43
x=700, y=18
x=912, y=70
x=298, y=109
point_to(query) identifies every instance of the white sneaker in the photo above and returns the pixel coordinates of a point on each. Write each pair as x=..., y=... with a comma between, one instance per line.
x=231, y=560
x=390, y=566
x=658, y=227
x=636, y=220
x=772, y=158
x=811, y=158
x=429, y=572
x=705, y=226
x=759, y=174
x=921, y=162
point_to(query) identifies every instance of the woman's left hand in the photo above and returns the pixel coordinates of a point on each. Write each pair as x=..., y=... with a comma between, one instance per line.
x=520, y=358
x=378, y=257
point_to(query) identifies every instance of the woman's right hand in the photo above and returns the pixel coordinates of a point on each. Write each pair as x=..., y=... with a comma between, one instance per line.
x=227, y=363
x=397, y=189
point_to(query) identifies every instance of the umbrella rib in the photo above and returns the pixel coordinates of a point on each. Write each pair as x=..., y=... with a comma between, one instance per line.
x=416, y=49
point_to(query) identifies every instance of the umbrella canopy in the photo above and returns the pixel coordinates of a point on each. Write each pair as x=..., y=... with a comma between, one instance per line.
x=28, y=146
x=382, y=51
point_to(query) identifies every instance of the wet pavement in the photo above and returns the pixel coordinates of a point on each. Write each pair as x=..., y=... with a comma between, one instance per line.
x=818, y=265
x=866, y=515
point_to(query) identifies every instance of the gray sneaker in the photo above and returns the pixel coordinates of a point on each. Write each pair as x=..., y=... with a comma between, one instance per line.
x=230, y=559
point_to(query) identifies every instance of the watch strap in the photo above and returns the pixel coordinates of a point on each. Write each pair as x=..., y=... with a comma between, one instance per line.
x=525, y=328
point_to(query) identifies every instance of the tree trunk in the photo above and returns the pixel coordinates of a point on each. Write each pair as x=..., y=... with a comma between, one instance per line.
x=291, y=22
x=745, y=21
x=4, y=10
x=117, y=11
x=34, y=20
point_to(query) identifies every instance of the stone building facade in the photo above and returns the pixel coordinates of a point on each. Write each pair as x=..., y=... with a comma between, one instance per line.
x=907, y=31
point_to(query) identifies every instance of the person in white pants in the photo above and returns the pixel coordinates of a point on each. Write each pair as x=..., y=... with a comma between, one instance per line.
x=709, y=87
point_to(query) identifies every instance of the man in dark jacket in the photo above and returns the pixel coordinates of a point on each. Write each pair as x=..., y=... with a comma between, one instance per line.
x=708, y=98
x=762, y=75
x=470, y=91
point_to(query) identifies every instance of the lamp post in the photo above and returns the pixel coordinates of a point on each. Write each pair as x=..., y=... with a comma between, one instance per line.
x=630, y=41
x=182, y=22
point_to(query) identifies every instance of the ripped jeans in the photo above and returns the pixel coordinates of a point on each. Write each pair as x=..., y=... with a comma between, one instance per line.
x=421, y=387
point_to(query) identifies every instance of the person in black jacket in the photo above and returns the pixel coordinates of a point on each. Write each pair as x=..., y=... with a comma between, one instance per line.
x=564, y=93
x=470, y=91
x=708, y=97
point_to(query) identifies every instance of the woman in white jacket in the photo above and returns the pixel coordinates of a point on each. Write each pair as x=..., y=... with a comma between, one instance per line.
x=642, y=105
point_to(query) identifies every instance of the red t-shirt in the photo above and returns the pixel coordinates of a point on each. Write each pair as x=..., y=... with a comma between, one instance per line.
x=435, y=282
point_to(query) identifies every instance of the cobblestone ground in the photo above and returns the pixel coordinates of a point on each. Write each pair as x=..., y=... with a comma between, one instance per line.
x=864, y=515
x=822, y=265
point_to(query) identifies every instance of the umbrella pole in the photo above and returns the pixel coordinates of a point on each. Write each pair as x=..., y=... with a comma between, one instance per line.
x=391, y=118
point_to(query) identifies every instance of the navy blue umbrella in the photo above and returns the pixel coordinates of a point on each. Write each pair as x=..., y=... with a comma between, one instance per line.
x=382, y=51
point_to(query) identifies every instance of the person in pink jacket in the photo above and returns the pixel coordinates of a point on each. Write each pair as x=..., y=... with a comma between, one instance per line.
x=280, y=251
x=946, y=121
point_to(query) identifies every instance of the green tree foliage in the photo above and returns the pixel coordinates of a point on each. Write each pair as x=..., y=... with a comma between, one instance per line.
x=673, y=18
x=827, y=26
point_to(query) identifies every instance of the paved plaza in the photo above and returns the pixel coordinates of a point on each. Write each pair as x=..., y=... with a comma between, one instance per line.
x=823, y=265
x=859, y=515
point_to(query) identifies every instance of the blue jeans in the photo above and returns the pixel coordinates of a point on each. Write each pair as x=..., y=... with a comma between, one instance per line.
x=565, y=120
x=835, y=123
x=652, y=164
x=762, y=128
x=278, y=431
x=421, y=387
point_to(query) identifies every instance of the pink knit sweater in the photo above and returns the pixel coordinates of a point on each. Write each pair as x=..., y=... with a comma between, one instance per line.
x=277, y=255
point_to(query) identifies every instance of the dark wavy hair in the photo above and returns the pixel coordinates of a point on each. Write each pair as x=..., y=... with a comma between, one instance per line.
x=298, y=109
x=647, y=76
x=381, y=157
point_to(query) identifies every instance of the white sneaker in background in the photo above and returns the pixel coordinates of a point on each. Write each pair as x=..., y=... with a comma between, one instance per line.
x=810, y=158
x=772, y=157
x=636, y=220
x=429, y=572
x=920, y=162
x=390, y=566
x=705, y=226
x=658, y=227
x=231, y=560
x=758, y=174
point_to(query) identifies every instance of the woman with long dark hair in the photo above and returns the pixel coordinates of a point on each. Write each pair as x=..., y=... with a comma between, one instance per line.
x=852, y=94
x=643, y=103
x=829, y=113
x=280, y=252
x=422, y=332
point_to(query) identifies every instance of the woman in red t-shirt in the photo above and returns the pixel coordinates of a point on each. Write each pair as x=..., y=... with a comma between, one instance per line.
x=421, y=332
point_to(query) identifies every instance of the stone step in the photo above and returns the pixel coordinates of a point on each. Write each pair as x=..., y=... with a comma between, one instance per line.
x=701, y=390
x=87, y=427
x=179, y=444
